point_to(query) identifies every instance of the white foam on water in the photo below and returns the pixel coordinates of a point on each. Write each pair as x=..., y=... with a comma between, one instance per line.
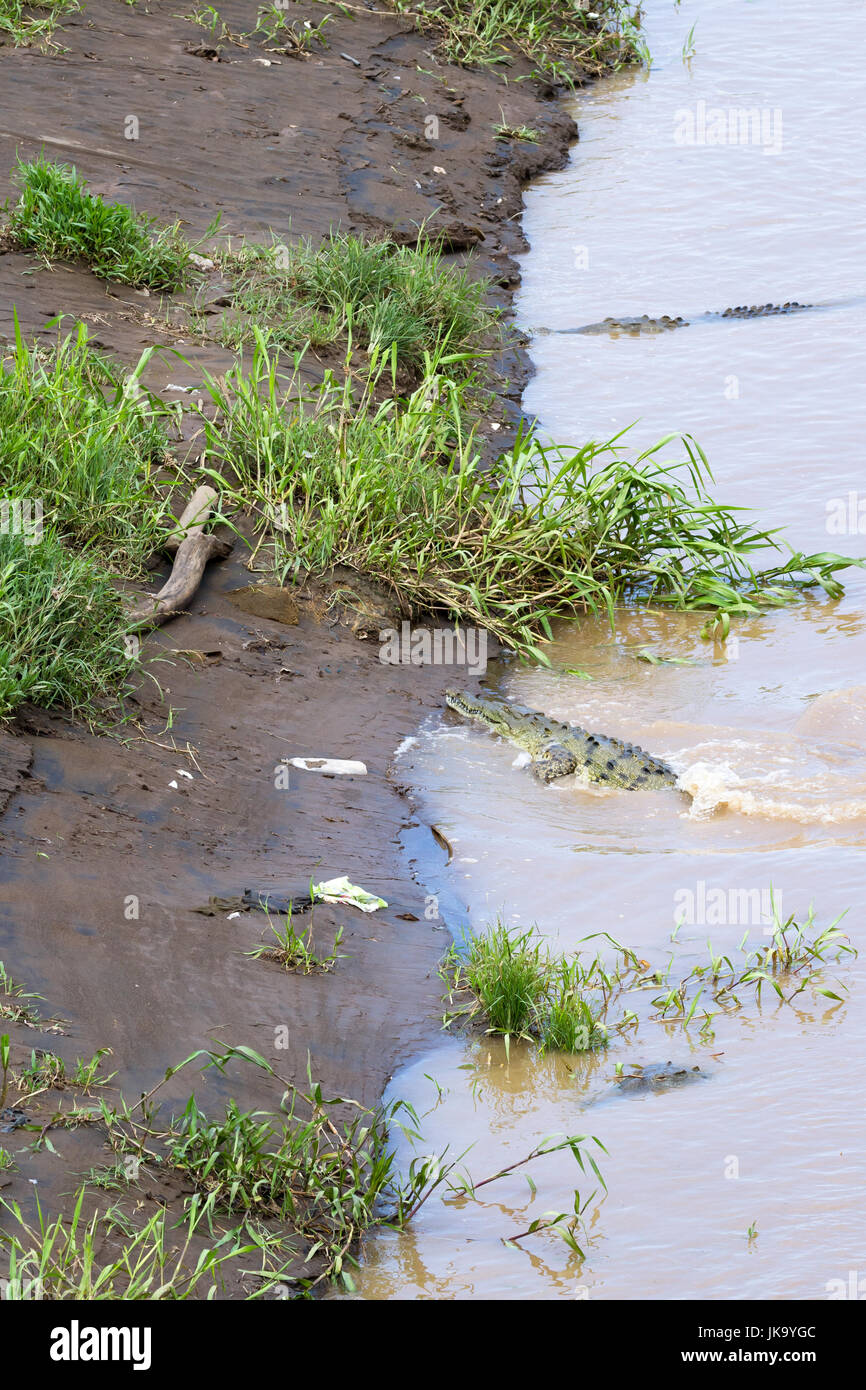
x=716, y=786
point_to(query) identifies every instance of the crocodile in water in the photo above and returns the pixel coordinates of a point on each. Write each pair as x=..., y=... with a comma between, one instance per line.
x=635, y=326
x=558, y=749
x=657, y=1076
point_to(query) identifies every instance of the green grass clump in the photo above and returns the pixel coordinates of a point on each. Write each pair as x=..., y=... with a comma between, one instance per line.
x=394, y=490
x=271, y=1201
x=504, y=131
x=33, y=21
x=293, y=949
x=517, y=988
x=79, y=441
x=566, y=1019
x=507, y=971
x=77, y=434
x=400, y=300
x=57, y=217
x=559, y=38
x=60, y=628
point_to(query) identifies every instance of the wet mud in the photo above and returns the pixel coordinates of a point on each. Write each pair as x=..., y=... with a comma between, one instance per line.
x=111, y=844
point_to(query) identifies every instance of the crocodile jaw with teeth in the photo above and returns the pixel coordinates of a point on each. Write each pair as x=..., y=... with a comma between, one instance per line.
x=558, y=749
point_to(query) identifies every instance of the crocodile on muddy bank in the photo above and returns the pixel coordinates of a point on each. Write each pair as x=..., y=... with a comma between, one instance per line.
x=557, y=750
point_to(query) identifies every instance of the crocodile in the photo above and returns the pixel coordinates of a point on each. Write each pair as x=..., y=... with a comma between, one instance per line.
x=556, y=750
x=635, y=326
x=657, y=1076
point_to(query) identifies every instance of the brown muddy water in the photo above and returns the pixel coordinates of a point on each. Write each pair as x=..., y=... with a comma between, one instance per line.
x=766, y=732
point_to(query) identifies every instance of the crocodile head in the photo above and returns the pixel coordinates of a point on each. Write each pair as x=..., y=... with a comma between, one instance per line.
x=522, y=726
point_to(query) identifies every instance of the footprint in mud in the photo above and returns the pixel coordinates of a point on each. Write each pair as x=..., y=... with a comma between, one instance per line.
x=265, y=601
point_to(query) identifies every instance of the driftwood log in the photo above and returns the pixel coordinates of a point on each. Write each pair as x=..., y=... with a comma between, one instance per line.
x=192, y=548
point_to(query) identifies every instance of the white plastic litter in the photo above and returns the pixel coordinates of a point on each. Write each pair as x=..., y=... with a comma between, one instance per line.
x=336, y=766
x=181, y=772
x=173, y=784
x=340, y=890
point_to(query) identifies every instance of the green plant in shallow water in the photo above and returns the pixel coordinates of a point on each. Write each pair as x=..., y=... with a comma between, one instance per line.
x=517, y=987
x=567, y=1022
x=795, y=955
x=508, y=973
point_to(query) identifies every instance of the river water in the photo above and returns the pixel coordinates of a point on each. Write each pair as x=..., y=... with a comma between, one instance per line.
x=654, y=215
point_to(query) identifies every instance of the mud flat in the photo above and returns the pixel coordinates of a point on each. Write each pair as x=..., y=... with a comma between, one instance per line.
x=111, y=845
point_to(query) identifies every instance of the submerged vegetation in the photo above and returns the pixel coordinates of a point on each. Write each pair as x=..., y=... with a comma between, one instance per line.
x=58, y=218
x=399, y=301
x=792, y=961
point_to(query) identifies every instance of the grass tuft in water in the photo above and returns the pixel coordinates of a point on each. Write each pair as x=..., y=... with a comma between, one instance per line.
x=567, y=1022
x=518, y=988
x=507, y=971
x=795, y=958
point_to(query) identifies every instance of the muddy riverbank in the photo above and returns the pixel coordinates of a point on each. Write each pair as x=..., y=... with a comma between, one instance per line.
x=110, y=845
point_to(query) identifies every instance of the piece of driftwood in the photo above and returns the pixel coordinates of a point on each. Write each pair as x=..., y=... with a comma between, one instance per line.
x=192, y=547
